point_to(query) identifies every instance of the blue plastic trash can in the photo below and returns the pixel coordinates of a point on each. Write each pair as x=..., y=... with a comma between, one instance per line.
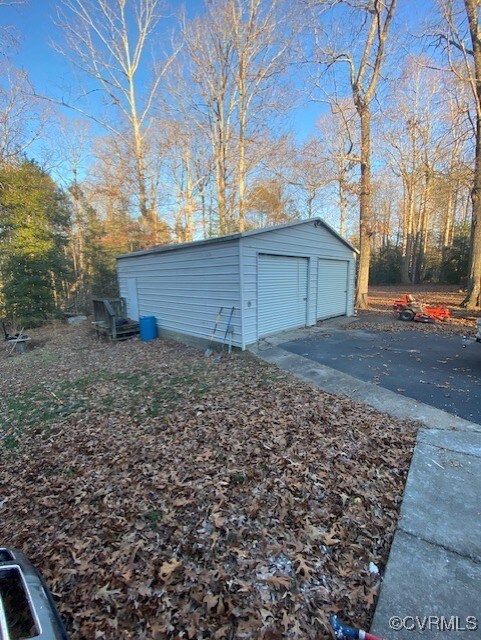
x=148, y=328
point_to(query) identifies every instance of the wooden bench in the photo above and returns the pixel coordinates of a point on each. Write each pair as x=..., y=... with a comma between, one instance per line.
x=110, y=319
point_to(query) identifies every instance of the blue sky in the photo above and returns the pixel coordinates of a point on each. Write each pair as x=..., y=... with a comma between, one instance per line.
x=51, y=74
x=35, y=27
x=35, y=24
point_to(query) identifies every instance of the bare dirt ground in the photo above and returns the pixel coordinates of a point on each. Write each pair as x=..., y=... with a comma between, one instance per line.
x=164, y=494
x=380, y=316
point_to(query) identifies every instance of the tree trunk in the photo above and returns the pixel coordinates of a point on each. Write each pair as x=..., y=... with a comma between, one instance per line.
x=242, y=180
x=310, y=199
x=203, y=209
x=422, y=232
x=447, y=228
x=473, y=298
x=404, y=245
x=221, y=199
x=189, y=198
x=386, y=224
x=342, y=206
x=220, y=158
x=365, y=210
x=408, y=235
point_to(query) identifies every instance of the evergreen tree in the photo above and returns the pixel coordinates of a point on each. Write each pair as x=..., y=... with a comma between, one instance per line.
x=386, y=265
x=34, y=219
x=455, y=266
x=100, y=266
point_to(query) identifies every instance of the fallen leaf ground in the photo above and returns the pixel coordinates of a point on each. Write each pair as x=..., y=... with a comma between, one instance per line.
x=164, y=494
x=379, y=316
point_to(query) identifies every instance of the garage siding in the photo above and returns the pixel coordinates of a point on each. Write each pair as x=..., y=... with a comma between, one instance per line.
x=282, y=293
x=304, y=240
x=184, y=289
x=332, y=288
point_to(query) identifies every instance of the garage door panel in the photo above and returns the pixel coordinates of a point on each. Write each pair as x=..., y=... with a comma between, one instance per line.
x=332, y=288
x=282, y=293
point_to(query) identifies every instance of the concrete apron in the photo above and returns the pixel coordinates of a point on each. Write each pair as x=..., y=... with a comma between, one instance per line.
x=432, y=583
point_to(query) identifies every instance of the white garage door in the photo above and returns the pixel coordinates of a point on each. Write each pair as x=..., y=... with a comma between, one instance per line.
x=282, y=293
x=332, y=288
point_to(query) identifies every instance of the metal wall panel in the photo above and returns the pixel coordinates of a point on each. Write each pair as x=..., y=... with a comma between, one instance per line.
x=332, y=288
x=185, y=289
x=282, y=293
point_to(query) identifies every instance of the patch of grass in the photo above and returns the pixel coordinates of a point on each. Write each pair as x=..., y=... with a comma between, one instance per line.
x=268, y=379
x=239, y=478
x=161, y=395
x=27, y=408
x=133, y=379
x=11, y=443
x=153, y=517
x=38, y=407
x=43, y=358
x=144, y=393
x=162, y=400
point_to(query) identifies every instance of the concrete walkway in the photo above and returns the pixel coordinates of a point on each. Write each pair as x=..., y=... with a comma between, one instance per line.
x=434, y=567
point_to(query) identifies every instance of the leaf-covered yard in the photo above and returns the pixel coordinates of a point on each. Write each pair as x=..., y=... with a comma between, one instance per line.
x=164, y=494
x=380, y=316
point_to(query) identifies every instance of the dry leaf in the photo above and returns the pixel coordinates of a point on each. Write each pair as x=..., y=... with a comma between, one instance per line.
x=154, y=518
x=279, y=581
x=168, y=568
x=304, y=568
x=330, y=538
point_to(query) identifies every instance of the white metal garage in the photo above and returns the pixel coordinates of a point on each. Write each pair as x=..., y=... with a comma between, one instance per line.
x=270, y=279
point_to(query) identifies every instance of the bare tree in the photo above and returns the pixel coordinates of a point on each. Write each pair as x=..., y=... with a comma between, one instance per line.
x=424, y=143
x=414, y=141
x=187, y=173
x=364, y=57
x=456, y=169
x=228, y=89
x=260, y=45
x=302, y=167
x=205, y=97
x=324, y=164
x=462, y=44
x=8, y=35
x=387, y=209
x=73, y=153
x=108, y=40
x=339, y=142
x=270, y=204
x=22, y=116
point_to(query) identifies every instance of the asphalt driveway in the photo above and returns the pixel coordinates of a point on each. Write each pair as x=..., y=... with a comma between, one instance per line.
x=431, y=368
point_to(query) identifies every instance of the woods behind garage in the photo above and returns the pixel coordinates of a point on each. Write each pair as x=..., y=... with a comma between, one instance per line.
x=276, y=278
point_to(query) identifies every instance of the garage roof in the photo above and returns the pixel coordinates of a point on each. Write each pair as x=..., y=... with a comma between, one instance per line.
x=235, y=236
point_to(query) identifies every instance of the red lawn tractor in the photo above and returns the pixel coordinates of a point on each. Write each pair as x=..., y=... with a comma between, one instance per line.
x=407, y=309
